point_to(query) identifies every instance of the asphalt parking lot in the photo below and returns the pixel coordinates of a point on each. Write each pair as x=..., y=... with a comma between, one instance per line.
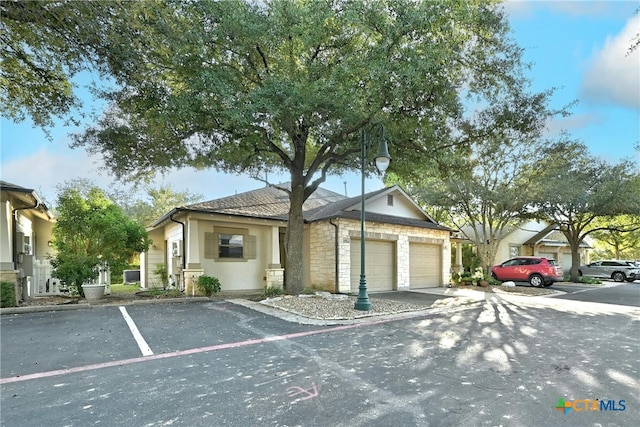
x=218, y=363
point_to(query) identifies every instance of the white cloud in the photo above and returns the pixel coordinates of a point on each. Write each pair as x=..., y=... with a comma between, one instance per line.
x=573, y=122
x=45, y=170
x=613, y=76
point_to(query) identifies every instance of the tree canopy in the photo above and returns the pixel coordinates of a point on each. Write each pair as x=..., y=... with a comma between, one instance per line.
x=90, y=231
x=575, y=189
x=289, y=84
x=46, y=43
x=156, y=203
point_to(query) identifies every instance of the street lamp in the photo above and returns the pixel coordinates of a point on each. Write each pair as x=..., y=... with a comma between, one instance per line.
x=382, y=163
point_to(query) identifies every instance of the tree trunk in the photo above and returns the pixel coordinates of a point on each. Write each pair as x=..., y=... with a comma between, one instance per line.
x=293, y=245
x=574, y=242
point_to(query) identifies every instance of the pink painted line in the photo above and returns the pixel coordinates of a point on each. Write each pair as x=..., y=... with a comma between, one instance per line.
x=131, y=361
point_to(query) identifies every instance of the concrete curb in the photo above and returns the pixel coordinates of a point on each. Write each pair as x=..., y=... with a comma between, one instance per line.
x=459, y=305
x=83, y=305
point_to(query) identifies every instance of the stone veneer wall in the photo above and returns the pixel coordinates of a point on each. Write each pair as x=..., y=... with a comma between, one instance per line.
x=322, y=260
x=322, y=251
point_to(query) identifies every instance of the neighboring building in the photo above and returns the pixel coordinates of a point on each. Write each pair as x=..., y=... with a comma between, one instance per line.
x=240, y=240
x=537, y=238
x=25, y=240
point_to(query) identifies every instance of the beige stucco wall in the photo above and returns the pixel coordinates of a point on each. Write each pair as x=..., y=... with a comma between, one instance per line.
x=6, y=237
x=322, y=260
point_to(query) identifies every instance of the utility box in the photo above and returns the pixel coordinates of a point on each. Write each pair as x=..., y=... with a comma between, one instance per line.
x=130, y=276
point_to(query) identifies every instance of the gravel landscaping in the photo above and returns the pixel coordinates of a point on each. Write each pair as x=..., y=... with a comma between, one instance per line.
x=323, y=305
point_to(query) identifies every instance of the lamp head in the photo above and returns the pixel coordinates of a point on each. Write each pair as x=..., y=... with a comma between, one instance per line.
x=382, y=158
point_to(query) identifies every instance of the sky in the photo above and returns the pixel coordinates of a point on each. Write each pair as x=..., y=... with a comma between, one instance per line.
x=578, y=47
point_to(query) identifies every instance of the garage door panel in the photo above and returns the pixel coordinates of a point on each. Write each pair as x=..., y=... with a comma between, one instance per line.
x=425, y=265
x=379, y=265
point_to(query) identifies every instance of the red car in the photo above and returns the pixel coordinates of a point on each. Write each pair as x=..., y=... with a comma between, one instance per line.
x=538, y=271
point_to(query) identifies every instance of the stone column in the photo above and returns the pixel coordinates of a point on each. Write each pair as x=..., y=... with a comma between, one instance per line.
x=459, y=267
x=190, y=277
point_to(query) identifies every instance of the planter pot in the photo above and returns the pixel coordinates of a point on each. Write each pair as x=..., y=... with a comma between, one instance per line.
x=93, y=292
x=484, y=283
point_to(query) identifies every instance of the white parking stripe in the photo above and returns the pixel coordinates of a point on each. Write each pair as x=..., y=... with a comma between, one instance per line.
x=144, y=347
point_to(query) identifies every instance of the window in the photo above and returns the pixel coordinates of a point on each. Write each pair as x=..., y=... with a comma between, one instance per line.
x=390, y=200
x=514, y=251
x=229, y=244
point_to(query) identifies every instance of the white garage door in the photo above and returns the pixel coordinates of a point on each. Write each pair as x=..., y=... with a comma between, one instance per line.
x=565, y=263
x=379, y=265
x=425, y=265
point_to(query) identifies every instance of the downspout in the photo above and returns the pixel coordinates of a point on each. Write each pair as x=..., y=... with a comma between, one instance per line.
x=184, y=254
x=335, y=251
x=14, y=213
x=22, y=282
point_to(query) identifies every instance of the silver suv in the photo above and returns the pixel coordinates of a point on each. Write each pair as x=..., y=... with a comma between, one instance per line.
x=617, y=270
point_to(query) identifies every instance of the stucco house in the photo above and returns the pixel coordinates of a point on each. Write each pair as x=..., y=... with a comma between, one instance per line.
x=240, y=240
x=26, y=225
x=537, y=238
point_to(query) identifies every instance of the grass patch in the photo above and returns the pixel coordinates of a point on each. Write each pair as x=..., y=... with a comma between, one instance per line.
x=124, y=289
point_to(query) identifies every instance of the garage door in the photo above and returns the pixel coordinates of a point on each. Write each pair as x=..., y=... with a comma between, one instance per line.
x=379, y=265
x=565, y=263
x=425, y=265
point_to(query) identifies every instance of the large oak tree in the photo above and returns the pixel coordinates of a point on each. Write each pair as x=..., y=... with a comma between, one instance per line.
x=582, y=193
x=249, y=86
x=46, y=43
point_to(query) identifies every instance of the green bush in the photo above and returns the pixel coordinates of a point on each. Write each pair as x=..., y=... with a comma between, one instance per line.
x=209, y=285
x=7, y=294
x=273, y=291
x=590, y=280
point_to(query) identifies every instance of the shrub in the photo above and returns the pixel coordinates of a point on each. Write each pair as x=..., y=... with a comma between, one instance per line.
x=161, y=271
x=209, y=285
x=273, y=291
x=590, y=280
x=7, y=294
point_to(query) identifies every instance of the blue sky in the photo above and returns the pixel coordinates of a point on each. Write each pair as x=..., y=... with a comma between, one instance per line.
x=578, y=47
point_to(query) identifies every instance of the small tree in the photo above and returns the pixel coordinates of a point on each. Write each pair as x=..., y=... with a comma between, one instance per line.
x=91, y=230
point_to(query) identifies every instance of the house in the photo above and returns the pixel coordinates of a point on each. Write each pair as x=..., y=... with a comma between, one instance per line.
x=26, y=225
x=537, y=238
x=240, y=240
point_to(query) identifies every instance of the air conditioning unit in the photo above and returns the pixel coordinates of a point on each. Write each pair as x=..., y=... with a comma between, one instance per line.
x=176, y=249
x=24, y=244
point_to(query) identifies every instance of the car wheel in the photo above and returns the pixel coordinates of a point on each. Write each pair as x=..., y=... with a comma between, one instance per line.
x=536, y=280
x=618, y=276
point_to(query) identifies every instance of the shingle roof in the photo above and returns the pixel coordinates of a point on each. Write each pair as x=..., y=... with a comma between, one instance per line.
x=267, y=202
x=273, y=203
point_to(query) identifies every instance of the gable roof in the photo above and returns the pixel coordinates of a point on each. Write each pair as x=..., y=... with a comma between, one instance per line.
x=265, y=203
x=273, y=203
x=26, y=198
x=351, y=209
x=549, y=237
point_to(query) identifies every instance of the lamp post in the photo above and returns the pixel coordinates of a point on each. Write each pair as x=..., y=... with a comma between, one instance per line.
x=382, y=163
